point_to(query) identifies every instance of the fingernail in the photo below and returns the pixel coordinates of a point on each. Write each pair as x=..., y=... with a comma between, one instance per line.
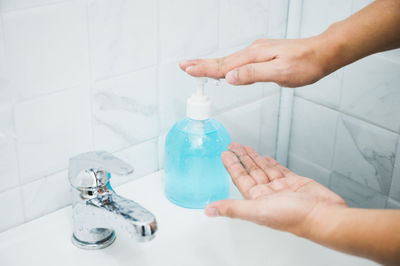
x=231, y=76
x=211, y=212
x=189, y=68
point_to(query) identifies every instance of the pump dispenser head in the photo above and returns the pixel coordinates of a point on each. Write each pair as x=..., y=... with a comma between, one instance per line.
x=198, y=106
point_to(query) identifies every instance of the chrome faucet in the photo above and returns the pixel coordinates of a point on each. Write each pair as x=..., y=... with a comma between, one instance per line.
x=97, y=211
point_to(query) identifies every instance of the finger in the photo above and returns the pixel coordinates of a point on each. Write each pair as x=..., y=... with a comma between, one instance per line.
x=185, y=64
x=240, y=177
x=240, y=209
x=251, y=167
x=282, y=168
x=269, y=169
x=219, y=67
x=253, y=72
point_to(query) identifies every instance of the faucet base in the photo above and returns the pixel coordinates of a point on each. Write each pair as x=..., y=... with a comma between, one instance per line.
x=94, y=245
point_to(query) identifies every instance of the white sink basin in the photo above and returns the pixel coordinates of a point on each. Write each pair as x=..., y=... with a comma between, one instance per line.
x=185, y=237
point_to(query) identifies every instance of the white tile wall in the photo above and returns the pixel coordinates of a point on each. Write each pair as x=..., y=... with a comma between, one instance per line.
x=392, y=204
x=277, y=22
x=242, y=21
x=313, y=132
x=12, y=206
x=78, y=75
x=187, y=28
x=8, y=5
x=46, y=195
x=8, y=156
x=46, y=48
x=269, y=125
x=395, y=186
x=355, y=194
x=125, y=110
x=51, y=129
x=309, y=169
x=318, y=15
x=365, y=153
x=365, y=96
x=371, y=91
x=143, y=157
x=123, y=35
x=243, y=124
x=326, y=91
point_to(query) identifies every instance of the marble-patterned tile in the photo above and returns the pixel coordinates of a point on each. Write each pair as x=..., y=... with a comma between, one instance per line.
x=277, y=18
x=392, y=204
x=244, y=124
x=187, y=28
x=175, y=87
x=313, y=132
x=317, y=15
x=8, y=5
x=269, y=124
x=242, y=21
x=51, y=129
x=326, y=91
x=8, y=156
x=365, y=153
x=123, y=35
x=371, y=91
x=356, y=194
x=47, y=48
x=395, y=186
x=143, y=157
x=46, y=195
x=11, y=206
x=309, y=169
x=125, y=110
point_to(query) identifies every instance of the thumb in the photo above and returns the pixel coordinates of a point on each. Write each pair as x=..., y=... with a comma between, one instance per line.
x=251, y=73
x=241, y=209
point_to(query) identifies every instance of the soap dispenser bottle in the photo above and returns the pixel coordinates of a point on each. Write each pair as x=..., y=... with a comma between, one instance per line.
x=194, y=173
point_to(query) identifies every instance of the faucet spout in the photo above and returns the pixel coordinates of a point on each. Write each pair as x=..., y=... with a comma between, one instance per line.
x=98, y=211
x=126, y=215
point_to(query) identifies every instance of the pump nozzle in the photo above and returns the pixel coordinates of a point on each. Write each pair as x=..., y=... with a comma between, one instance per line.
x=198, y=106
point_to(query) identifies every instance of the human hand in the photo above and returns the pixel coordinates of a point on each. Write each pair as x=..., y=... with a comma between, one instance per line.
x=274, y=196
x=289, y=63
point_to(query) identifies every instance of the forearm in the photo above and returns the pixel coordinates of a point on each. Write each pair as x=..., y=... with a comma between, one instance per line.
x=374, y=234
x=375, y=28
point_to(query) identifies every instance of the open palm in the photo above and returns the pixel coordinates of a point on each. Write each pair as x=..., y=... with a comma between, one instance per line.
x=274, y=196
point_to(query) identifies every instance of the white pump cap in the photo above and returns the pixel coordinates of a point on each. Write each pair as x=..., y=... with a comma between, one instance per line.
x=198, y=106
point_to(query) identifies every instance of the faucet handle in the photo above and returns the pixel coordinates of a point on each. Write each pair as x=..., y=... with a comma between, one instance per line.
x=92, y=169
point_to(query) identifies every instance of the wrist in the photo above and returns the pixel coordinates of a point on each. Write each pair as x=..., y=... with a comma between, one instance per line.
x=322, y=221
x=330, y=48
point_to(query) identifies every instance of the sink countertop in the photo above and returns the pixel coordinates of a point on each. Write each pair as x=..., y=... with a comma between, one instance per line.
x=184, y=237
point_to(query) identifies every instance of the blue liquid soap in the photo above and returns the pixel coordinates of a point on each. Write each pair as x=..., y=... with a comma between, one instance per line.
x=194, y=173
